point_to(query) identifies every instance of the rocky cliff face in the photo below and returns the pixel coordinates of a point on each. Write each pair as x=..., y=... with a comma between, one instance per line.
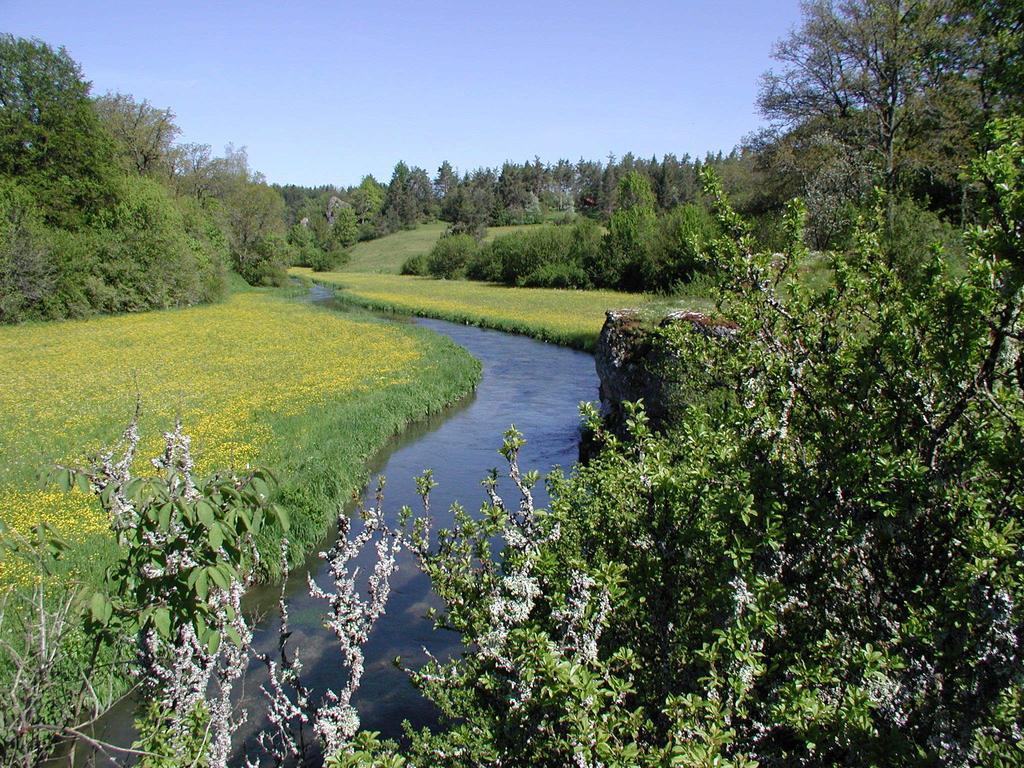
x=631, y=366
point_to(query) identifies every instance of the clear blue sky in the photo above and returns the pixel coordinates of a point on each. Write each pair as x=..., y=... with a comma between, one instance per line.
x=324, y=92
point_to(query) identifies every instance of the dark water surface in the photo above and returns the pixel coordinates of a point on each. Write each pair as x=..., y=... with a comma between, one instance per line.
x=531, y=384
x=535, y=386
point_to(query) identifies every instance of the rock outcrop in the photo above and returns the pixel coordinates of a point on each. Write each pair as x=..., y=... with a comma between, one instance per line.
x=630, y=366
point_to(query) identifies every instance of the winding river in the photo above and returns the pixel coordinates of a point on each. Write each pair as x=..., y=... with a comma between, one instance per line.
x=531, y=384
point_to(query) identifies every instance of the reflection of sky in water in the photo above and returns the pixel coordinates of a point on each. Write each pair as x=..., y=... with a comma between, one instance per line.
x=533, y=385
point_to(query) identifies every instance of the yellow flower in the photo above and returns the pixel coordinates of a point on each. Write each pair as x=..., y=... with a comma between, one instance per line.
x=67, y=389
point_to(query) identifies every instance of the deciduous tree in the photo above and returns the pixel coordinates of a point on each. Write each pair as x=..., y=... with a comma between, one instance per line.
x=50, y=137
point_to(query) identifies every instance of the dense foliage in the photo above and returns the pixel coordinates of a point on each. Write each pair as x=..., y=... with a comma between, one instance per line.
x=102, y=211
x=817, y=563
x=638, y=251
x=77, y=234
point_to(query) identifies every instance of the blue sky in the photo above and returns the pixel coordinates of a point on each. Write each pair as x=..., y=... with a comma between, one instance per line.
x=324, y=92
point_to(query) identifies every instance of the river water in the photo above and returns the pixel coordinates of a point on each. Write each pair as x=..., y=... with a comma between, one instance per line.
x=531, y=384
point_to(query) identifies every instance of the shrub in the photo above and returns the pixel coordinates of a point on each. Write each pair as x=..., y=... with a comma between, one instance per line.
x=542, y=255
x=415, y=265
x=912, y=232
x=148, y=251
x=28, y=274
x=486, y=265
x=450, y=255
x=561, y=274
x=533, y=249
x=627, y=260
x=265, y=261
x=683, y=239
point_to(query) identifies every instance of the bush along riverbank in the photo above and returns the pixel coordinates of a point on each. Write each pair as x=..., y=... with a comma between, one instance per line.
x=567, y=317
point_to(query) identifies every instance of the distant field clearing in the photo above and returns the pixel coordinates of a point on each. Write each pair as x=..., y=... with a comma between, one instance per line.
x=387, y=254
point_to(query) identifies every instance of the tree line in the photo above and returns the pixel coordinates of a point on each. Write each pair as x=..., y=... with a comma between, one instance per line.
x=103, y=210
x=873, y=94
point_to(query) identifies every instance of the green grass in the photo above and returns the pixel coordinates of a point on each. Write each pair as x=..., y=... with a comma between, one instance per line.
x=258, y=380
x=571, y=318
x=261, y=379
x=387, y=254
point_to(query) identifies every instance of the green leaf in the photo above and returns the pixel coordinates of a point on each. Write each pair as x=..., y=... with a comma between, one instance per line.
x=218, y=576
x=64, y=479
x=101, y=608
x=206, y=514
x=164, y=518
x=134, y=489
x=282, y=516
x=216, y=537
x=213, y=642
x=162, y=621
x=202, y=584
x=259, y=485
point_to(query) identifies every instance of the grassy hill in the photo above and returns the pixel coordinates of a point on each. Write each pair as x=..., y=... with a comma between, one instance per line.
x=387, y=254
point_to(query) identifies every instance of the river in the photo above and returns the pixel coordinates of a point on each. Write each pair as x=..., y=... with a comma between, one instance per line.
x=531, y=384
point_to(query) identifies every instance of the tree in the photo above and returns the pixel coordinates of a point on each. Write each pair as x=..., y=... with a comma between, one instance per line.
x=892, y=76
x=145, y=134
x=627, y=261
x=326, y=227
x=345, y=226
x=993, y=50
x=445, y=181
x=470, y=207
x=192, y=166
x=881, y=73
x=400, y=209
x=255, y=217
x=367, y=200
x=50, y=137
x=421, y=189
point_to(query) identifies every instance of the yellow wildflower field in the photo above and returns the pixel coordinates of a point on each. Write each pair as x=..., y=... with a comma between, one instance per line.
x=67, y=389
x=563, y=316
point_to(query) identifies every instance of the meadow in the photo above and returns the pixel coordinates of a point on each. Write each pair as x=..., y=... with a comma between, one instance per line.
x=571, y=318
x=257, y=380
x=387, y=254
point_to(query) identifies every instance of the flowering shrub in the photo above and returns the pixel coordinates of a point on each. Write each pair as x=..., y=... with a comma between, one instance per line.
x=819, y=564
x=187, y=553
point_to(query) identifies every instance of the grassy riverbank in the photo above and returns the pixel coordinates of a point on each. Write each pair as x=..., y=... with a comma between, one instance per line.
x=570, y=318
x=257, y=380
